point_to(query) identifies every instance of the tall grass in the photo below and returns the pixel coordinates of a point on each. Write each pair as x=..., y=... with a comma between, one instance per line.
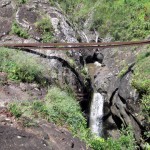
x=20, y=66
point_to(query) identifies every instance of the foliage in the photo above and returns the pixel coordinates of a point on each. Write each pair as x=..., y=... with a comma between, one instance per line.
x=146, y=106
x=16, y=29
x=84, y=71
x=45, y=27
x=123, y=71
x=15, y=110
x=125, y=141
x=20, y=66
x=72, y=62
x=22, y=1
x=122, y=19
x=141, y=79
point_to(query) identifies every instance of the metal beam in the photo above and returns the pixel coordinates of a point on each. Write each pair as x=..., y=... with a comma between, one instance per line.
x=67, y=46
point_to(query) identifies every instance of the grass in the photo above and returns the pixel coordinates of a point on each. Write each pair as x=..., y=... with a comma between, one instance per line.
x=123, y=71
x=45, y=27
x=58, y=107
x=125, y=141
x=141, y=81
x=16, y=29
x=122, y=19
x=15, y=110
x=21, y=66
x=141, y=78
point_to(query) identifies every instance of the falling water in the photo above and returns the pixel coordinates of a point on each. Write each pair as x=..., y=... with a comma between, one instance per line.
x=96, y=114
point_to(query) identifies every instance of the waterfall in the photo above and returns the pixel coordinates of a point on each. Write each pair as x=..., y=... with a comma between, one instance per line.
x=96, y=114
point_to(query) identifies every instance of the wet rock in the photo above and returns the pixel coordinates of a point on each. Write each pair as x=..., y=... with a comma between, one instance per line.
x=121, y=104
x=98, y=56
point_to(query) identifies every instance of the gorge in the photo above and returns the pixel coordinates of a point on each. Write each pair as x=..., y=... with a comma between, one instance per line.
x=103, y=89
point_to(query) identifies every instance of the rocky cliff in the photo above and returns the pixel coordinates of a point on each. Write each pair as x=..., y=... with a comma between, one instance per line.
x=39, y=21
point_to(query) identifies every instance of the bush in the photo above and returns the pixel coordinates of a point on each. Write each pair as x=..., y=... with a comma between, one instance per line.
x=22, y=1
x=20, y=66
x=122, y=19
x=45, y=27
x=141, y=78
x=61, y=108
x=15, y=110
x=16, y=29
x=146, y=107
x=141, y=81
x=125, y=141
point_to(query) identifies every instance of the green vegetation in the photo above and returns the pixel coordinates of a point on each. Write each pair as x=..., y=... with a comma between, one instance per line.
x=22, y=1
x=72, y=62
x=122, y=19
x=45, y=27
x=123, y=71
x=141, y=81
x=61, y=107
x=125, y=141
x=20, y=66
x=146, y=107
x=16, y=29
x=84, y=71
x=15, y=110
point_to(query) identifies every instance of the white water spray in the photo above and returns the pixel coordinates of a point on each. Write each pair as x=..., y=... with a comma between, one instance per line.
x=96, y=114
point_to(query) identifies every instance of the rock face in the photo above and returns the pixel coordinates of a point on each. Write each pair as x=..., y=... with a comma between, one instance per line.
x=42, y=135
x=121, y=106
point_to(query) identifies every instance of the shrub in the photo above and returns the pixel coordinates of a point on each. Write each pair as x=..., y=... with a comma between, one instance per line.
x=146, y=107
x=124, y=20
x=16, y=29
x=15, y=110
x=45, y=27
x=141, y=81
x=125, y=141
x=141, y=78
x=20, y=66
x=22, y=1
